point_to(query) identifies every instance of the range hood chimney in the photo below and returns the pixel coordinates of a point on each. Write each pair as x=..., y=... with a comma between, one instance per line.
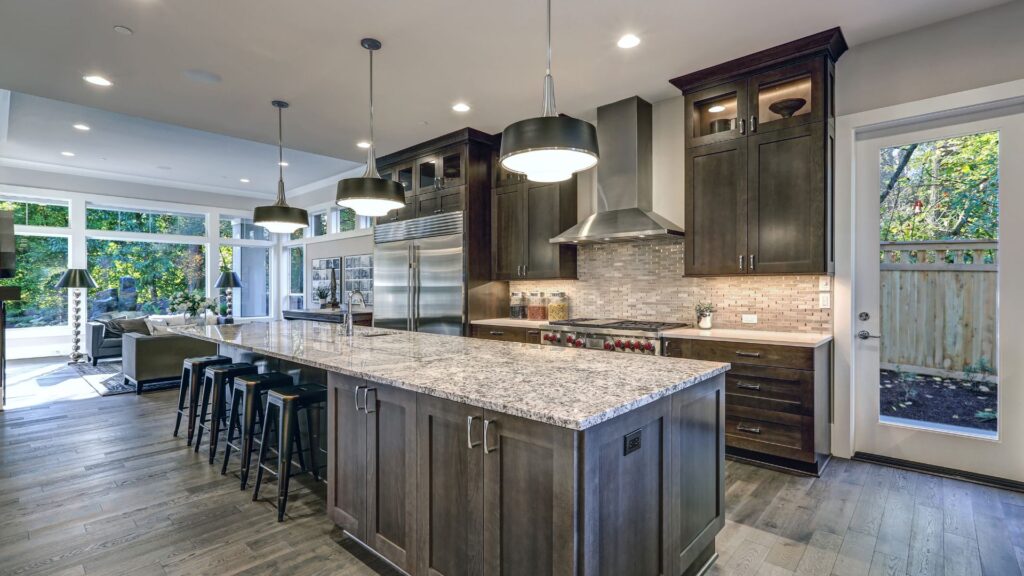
x=623, y=201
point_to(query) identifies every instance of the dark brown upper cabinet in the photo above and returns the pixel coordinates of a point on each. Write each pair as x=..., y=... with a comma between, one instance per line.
x=525, y=216
x=759, y=186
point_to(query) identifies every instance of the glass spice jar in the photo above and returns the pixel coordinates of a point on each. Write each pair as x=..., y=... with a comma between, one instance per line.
x=558, y=306
x=536, y=306
x=517, y=306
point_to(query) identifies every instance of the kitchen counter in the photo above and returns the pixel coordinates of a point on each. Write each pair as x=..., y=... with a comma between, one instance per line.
x=510, y=322
x=570, y=388
x=804, y=339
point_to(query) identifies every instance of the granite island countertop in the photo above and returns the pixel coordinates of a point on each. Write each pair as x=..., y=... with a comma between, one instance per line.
x=565, y=387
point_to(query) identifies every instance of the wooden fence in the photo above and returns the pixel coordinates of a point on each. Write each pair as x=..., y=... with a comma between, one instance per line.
x=939, y=306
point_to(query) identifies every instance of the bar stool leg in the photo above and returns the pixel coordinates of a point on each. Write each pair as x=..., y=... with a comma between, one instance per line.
x=233, y=422
x=312, y=440
x=204, y=412
x=264, y=448
x=194, y=381
x=284, y=456
x=252, y=406
x=186, y=375
x=219, y=383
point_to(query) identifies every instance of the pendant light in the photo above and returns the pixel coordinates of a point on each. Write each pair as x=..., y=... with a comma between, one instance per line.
x=370, y=195
x=549, y=148
x=280, y=217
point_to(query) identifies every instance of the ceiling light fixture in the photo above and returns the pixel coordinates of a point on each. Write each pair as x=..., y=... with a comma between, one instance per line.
x=282, y=164
x=123, y=30
x=280, y=217
x=97, y=80
x=716, y=109
x=461, y=107
x=629, y=41
x=370, y=195
x=549, y=148
x=68, y=154
x=243, y=180
x=82, y=127
x=363, y=144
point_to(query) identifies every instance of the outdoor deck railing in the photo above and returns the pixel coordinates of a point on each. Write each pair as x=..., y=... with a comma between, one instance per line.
x=951, y=255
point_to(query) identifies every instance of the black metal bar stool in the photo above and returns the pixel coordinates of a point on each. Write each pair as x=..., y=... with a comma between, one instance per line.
x=218, y=382
x=246, y=411
x=188, y=390
x=283, y=406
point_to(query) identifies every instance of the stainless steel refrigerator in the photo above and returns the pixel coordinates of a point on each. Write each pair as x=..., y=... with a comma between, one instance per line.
x=419, y=275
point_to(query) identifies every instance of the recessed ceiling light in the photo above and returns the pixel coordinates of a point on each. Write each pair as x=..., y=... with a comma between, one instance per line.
x=68, y=154
x=204, y=76
x=124, y=30
x=163, y=167
x=283, y=164
x=716, y=108
x=364, y=144
x=629, y=41
x=460, y=107
x=243, y=180
x=97, y=80
x=81, y=126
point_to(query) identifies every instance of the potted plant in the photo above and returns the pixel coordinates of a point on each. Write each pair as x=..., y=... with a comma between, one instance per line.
x=191, y=304
x=704, y=312
x=322, y=294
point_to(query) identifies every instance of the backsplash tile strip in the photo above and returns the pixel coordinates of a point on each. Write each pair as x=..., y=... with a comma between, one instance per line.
x=644, y=281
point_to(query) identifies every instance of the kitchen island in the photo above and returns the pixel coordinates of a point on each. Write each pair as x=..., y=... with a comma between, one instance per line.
x=451, y=455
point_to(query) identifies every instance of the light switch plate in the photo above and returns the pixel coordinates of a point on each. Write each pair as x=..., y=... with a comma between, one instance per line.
x=824, y=283
x=824, y=300
x=750, y=318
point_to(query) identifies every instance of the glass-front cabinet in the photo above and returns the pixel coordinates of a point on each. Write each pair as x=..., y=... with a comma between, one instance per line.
x=787, y=96
x=717, y=113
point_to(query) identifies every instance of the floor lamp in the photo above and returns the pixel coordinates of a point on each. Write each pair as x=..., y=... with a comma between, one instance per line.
x=227, y=281
x=74, y=279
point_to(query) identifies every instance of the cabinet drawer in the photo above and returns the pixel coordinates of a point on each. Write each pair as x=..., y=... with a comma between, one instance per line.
x=764, y=432
x=775, y=389
x=506, y=333
x=796, y=357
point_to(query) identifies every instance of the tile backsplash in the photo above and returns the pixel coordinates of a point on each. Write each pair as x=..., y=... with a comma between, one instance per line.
x=644, y=281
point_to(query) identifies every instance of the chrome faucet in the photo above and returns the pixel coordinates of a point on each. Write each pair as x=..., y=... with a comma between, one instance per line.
x=348, y=316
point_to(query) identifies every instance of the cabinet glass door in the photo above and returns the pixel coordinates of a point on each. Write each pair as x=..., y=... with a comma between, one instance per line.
x=428, y=177
x=452, y=169
x=404, y=176
x=717, y=114
x=787, y=97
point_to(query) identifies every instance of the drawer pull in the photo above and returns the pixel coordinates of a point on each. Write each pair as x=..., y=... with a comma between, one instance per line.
x=533, y=332
x=497, y=333
x=746, y=386
x=748, y=354
x=750, y=429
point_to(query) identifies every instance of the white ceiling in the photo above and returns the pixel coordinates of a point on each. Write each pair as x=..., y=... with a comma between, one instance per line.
x=119, y=146
x=489, y=54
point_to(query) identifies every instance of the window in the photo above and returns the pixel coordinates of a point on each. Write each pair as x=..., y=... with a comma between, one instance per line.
x=298, y=234
x=241, y=228
x=35, y=213
x=320, y=221
x=252, y=264
x=116, y=219
x=296, y=280
x=142, y=276
x=40, y=262
x=347, y=220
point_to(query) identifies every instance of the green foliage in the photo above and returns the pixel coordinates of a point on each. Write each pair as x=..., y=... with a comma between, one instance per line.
x=159, y=269
x=346, y=219
x=34, y=214
x=141, y=221
x=40, y=262
x=296, y=265
x=941, y=190
x=704, y=309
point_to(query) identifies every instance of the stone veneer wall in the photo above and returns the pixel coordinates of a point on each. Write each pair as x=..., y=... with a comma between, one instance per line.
x=644, y=281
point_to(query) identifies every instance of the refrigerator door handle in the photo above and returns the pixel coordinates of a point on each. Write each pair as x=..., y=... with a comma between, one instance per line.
x=409, y=283
x=416, y=289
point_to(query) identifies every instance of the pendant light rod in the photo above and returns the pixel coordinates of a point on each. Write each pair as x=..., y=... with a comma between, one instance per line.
x=549, y=81
x=280, y=105
x=371, y=45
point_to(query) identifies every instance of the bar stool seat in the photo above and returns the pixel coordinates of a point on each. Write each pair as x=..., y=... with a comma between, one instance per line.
x=188, y=390
x=283, y=406
x=218, y=383
x=246, y=411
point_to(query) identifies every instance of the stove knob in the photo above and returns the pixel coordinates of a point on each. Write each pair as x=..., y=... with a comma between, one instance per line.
x=609, y=346
x=578, y=343
x=649, y=346
x=619, y=344
x=549, y=337
x=631, y=344
x=569, y=339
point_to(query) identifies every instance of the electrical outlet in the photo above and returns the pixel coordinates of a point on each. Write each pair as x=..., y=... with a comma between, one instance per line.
x=824, y=284
x=824, y=300
x=749, y=318
x=632, y=443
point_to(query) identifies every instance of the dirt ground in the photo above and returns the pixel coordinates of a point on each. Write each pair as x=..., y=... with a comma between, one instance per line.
x=939, y=400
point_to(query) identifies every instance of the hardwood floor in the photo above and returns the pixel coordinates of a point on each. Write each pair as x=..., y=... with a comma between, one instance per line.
x=99, y=486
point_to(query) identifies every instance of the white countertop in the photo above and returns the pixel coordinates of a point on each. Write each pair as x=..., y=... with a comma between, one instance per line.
x=566, y=387
x=510, y=322
x=805, y=339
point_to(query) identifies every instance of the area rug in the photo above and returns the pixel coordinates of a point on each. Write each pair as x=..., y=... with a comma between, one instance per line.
x=108, y=379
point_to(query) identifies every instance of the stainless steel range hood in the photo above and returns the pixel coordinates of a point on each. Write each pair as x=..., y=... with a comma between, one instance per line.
x=623, y=199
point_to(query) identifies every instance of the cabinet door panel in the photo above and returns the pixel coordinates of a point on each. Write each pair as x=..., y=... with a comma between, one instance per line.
x=529, y=498
x=391, y=474
x=716, y=114
x=452, y=164
x=716, y=208
x=346, y=492
x=550, y=210
x=450, y=489
x=787, y=85
x=786, y=201
x=508, y=231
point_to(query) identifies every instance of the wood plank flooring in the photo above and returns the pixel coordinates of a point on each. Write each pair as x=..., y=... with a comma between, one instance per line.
x=99, y=487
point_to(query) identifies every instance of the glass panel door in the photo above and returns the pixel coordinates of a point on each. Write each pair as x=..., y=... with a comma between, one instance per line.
x=452, y=170
x=717, y=114
x=428, y=176
x=788, y=96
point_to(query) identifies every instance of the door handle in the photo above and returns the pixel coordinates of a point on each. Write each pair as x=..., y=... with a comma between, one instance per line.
x=746, y=386
x=864, y=335
x=469, y=432
x=750, y=429
x=748, y=354
x=358, y=407
x=487, y=426
x=753, y=124
x=751, y=262
x=741, y=262
x=366, y=400
x=743, y=129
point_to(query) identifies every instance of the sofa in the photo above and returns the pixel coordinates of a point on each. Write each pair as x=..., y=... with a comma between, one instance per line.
x=158, y=358
x=101, y=342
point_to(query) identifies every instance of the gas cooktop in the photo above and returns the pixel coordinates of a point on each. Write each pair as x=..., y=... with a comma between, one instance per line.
x=615, y=324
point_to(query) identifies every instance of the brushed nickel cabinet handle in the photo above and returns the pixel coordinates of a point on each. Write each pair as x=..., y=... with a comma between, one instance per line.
x=742, y=126
x=358, y=407
x=487, y=426
x=533, y=332
x=497, y=333
x=746, y=386
x=366, y=400
x=753, y=124
x=750, y=429
x=741, y=262
x=469, y=433
x=748, y=354
x=751, y=262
